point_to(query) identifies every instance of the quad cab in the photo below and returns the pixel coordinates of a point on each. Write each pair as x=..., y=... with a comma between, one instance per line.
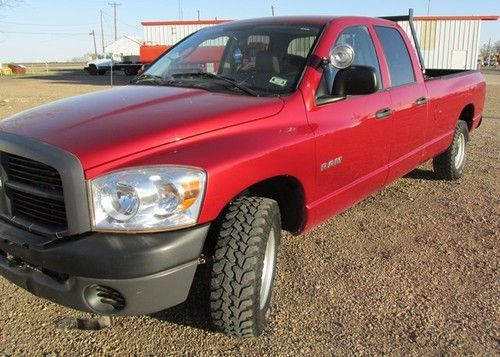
x=110, y=201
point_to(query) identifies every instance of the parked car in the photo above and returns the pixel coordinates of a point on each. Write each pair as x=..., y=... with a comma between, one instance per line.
x=112, y=200
x=130, y=65
x=17, y=68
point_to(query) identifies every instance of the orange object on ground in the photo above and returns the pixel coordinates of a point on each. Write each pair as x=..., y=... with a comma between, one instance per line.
x=148, y=53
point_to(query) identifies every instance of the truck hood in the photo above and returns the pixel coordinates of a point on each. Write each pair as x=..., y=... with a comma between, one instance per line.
x=104, y=126
x=100, y=62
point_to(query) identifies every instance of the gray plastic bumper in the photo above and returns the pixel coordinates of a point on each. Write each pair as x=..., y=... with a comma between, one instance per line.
x=147, y=273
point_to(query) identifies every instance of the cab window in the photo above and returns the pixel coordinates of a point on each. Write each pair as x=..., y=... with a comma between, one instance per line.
x=397, y=56
x=206, y=57
x=360, y=40
x=245, y=59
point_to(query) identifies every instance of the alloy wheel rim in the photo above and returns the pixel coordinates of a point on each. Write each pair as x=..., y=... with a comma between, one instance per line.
x=267, y=269
x=460, y=154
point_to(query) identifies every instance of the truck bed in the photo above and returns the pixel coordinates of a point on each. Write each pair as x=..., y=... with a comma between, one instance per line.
x=434, y=73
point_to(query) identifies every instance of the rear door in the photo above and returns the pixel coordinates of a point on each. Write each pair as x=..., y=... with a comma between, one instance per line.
x=352, y=145
x=410, y=120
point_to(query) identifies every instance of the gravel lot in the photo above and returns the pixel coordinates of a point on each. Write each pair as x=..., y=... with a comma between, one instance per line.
x=413, y=270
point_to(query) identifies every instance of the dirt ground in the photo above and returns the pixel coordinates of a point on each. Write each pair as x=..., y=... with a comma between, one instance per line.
x=413, y=270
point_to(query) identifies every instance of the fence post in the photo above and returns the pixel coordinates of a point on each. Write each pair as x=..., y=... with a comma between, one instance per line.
x=111, y=72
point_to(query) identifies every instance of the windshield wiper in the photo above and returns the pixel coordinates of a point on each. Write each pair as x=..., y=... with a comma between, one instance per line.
x=232, y=81
x=148, y=78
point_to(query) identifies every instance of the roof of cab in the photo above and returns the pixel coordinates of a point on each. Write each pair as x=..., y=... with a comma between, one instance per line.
x=305, y=20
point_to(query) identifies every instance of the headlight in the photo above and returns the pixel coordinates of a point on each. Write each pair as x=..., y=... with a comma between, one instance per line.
x=147, y=198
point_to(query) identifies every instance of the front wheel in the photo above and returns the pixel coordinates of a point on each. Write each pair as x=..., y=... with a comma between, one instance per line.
x=130, y=71
x=451, y=163
x=92, y=70
x=244, y=266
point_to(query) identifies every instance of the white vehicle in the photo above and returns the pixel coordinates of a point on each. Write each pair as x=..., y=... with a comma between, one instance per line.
x=130, y=65
x=99, y=66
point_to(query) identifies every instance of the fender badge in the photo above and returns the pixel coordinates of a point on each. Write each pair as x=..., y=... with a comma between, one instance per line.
x=327, y=165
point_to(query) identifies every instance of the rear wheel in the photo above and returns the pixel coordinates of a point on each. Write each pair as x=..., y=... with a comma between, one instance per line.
x=244, y=265
x=450, y=164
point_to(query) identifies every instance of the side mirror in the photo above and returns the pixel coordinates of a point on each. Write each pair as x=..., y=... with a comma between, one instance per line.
x=355, y=80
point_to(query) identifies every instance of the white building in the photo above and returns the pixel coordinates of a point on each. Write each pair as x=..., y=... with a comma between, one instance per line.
x=168, y=33
x=124, y=46
x=449, y=42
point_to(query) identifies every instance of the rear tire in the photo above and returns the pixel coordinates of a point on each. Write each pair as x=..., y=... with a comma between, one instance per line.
x=450, y=164
x=244, y=266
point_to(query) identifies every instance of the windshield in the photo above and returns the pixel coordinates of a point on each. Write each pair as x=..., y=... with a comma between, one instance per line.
x=249, y=59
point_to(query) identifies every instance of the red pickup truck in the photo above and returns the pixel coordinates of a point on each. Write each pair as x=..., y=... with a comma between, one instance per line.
x=111, y=200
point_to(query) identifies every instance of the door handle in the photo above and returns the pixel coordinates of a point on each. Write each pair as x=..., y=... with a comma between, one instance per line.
x=383, y=113
x=421, y=101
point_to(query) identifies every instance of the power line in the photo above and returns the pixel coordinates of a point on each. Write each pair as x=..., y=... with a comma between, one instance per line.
x=45, y=33
x=136, y=27
x=46, y=25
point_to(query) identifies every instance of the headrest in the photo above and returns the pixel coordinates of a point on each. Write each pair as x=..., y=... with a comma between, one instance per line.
x=266, y=62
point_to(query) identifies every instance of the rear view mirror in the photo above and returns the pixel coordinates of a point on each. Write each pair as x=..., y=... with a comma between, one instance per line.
x=355, y=80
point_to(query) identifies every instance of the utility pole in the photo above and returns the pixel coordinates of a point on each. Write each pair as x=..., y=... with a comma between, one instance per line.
x=199, y=15
x=428, y=7
x=102, y=34
x=272, y=10
x=180, y=10
x=114, y=4
x=95, y=44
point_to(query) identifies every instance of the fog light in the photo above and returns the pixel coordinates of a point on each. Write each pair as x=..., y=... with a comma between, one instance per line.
x=103, y=299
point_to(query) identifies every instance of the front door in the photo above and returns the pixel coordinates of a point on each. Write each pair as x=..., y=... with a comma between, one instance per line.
x=352, y=141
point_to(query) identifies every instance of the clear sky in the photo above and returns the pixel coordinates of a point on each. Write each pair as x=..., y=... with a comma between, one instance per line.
x=58, y=30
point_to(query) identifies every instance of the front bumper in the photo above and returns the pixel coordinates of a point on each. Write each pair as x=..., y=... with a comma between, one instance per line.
x=111, y=274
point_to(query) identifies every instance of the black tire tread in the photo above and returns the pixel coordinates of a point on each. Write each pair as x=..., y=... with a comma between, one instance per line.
x=235, y=281
x=92, y=70
x=443, y=164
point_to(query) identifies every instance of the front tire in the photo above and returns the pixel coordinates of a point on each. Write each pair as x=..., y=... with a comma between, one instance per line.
x=450, y=164
x=130, y=71
x=92, y=70
x=244, y=266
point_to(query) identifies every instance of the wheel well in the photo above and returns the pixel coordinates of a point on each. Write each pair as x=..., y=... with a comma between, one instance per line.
x=467, y=115
x=288, y=192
